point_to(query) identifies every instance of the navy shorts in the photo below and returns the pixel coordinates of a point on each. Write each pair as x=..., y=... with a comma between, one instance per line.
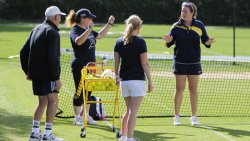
x=43, y=87
x=187, y=69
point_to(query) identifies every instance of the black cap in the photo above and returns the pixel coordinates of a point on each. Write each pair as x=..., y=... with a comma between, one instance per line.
x=84, y=13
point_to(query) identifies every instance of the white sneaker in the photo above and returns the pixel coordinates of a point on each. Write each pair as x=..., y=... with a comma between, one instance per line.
x=91, y=121
x=78, y=121
x=51, y=137
x=194, y=120
x=177, y=120
x=132, y=139
x=35, y=137
x=121, y=139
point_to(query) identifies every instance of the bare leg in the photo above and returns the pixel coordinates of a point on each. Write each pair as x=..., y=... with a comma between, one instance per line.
x=193, y=85
x=43, y=102
x=77, y=110
x=180, y=86
x=125, y=117
x=52, y=106
x=134, y=106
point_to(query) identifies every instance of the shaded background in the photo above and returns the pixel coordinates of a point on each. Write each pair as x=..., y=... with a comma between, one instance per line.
x=211, y=12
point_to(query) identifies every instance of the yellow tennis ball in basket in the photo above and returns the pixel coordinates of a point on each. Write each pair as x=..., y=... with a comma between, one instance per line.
x=90, y=88
x=99, y=87
x=99, y=83
x=109, y=88
x=107, y=84
x=103, y=87
x=113, y=86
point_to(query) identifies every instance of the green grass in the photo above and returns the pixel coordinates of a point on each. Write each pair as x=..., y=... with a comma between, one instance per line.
x=13, y=36
x=17, y=103
x=17, y=106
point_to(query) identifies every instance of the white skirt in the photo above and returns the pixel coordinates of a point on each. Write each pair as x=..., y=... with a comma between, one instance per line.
x=133, y=88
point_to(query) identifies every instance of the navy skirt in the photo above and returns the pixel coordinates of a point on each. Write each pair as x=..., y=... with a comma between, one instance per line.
x=187, y=69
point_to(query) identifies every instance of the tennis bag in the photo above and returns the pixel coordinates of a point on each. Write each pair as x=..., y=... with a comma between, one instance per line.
x=96, y=110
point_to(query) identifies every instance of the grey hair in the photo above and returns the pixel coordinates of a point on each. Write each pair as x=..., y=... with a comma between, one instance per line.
x=50, y=17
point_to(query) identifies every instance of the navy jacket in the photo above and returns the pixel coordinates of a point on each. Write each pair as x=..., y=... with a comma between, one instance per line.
x=187, y=41
x=40, y=55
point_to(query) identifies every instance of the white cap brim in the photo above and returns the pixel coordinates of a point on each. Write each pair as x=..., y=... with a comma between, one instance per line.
x=62, y=13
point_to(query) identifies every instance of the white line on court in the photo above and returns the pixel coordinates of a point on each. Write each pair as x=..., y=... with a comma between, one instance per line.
x=218, y=133
x=158, y=104
x=202, y=125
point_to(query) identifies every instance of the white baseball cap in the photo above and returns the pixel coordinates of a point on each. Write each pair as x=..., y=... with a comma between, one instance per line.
x=53, y=10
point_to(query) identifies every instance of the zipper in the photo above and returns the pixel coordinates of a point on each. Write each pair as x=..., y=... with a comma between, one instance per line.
x=188, y=29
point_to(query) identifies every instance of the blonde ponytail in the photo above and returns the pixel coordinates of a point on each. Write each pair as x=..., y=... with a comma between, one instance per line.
x=128, y=33
x=132, y=23
x=70, y=19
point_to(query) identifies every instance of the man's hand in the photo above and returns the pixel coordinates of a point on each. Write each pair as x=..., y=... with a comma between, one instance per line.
x=58, y=85
x=27, y=77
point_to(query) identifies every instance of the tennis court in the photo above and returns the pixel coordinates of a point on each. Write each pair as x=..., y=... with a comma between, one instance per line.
x=223, y=103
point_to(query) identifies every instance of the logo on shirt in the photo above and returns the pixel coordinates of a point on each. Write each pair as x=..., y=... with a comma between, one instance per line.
x=92, y=41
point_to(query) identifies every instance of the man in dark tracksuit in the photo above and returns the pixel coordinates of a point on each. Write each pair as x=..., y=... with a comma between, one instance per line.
x=40, y=60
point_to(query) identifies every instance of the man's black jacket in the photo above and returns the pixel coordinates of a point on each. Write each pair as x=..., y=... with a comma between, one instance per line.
x=40, y=55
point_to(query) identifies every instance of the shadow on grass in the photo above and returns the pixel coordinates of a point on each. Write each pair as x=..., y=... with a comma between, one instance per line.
x=232, y=132
x=146, y=136
x=101, y=135
x=11, y=124
x=159, y=136
x=94, y=132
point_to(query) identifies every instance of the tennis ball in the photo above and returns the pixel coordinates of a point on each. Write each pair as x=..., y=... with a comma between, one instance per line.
x=98, y=87
x=103, y=87
x=107, y=84
x=90, y=88
x=110, y=88
x=99, y=83
x=113, y=86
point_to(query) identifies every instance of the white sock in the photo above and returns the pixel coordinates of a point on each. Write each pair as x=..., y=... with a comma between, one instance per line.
x=35, y=128
x=48, y=128
x=130, y=139
x=78, y=116
x=177, y=116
